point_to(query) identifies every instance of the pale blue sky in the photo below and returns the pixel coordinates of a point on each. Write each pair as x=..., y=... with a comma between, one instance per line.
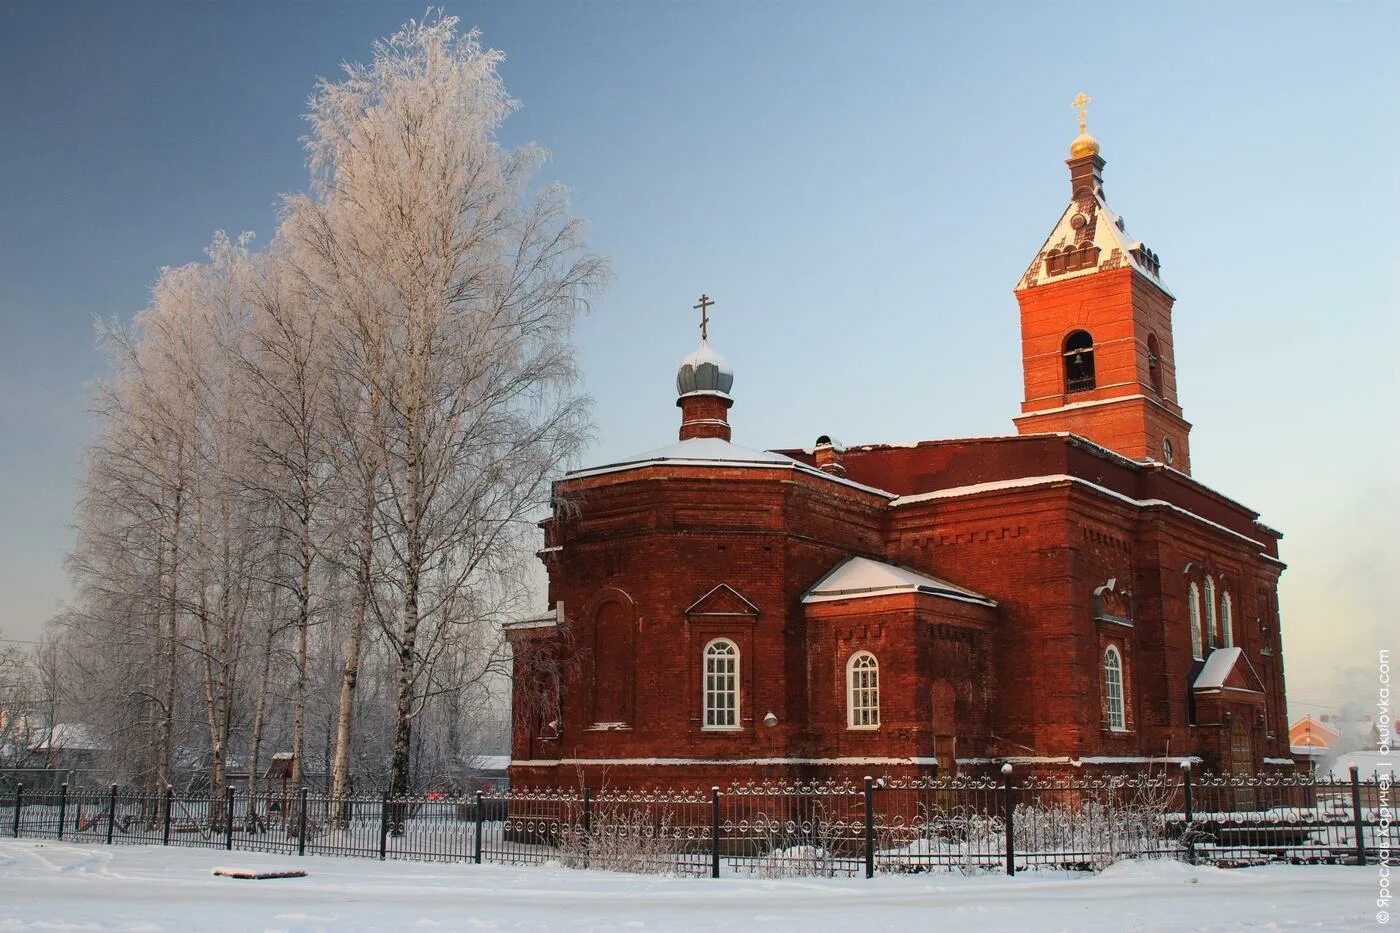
x=859, y=186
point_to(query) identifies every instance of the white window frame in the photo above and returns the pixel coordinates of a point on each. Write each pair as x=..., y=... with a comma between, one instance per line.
x=719, y=686
x=1227, y=621
x=1115, y=702
x=862, y=691
x=1193, y=608
x=1212, y=620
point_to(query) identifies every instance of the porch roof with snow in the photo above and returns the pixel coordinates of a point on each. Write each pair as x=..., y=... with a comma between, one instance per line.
x=1216, y=673
x=861, y=578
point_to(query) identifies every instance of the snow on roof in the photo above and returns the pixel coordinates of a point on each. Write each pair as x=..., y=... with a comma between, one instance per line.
x=706, y=354
x=1109, y=237
x=1052, y=479
x=1217, y=668
x=712, y=448
x=861, y=577
x=547, y=619
x=1368, y=762
x=490, y=762
x=69, y=736
x=712, y=451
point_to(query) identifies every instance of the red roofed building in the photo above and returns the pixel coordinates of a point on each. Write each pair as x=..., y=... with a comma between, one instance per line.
x=1313, y=738
x=1070, y=596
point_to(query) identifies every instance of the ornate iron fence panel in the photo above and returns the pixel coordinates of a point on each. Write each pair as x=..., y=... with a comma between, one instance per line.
x=769, y=829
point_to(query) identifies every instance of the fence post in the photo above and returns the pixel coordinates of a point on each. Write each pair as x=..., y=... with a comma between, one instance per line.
x=19, y=802
x=869, y=826
x=62, y=806
x=301, y=823
x=1190, y=807
x=111, y=813
x=384, y=826
x=1358, y=823
x=714, y=832
x=1010, y=804
x=480, y=825
x=228, y=818
x=169, y=806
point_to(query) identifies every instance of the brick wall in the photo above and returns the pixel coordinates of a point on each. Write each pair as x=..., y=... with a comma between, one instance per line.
x=680, y=555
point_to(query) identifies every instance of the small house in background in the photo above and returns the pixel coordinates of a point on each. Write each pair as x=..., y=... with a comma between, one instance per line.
x=487, y=772
x=1312, y=741
x=68, y=746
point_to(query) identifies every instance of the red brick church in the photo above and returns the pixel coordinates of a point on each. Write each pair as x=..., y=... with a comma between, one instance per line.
x=1066, y=597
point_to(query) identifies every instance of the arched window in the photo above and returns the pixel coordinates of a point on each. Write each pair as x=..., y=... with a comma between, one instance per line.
x=721, y=685
x=1079, y=361
x=1154, y=364
x=1212, y=622
x=862, y=691
x=1113, y=689
x=1193, y=606
x=1227, y=628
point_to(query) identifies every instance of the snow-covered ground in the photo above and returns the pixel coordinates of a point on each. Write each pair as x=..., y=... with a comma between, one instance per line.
x=63, y=886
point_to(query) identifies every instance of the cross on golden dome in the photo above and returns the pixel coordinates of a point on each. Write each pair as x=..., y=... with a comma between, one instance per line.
x=1081, y=103
x=1084, y=144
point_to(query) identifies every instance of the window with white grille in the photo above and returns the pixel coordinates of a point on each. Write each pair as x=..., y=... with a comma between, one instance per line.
x=1227, y=624
x=721, y=685
x=1212, y=621
x=1193, y=606
x=863, y=691
x=1113, y=689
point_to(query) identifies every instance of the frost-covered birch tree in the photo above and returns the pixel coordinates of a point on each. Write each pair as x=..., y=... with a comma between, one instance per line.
x=311, y=496
x=285, y=424
x=461, y=287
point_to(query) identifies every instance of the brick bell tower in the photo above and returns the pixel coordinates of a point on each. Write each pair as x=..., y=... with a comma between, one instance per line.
x=1096, y=328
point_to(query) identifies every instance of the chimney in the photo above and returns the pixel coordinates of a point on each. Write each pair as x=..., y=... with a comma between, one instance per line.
x=828, y=454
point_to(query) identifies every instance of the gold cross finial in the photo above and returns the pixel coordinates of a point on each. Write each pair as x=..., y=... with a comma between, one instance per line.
x=703, y=307
x=1081, y=103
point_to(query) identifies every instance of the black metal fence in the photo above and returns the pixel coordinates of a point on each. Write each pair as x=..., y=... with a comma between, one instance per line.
x=771, y=829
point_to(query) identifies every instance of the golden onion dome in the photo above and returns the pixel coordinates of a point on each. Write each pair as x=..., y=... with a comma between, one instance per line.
x=1083, y=145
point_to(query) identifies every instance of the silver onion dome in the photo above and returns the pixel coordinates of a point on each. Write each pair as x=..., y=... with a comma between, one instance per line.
x=704, y=371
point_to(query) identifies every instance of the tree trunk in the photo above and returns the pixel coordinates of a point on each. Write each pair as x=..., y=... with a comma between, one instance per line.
x=165, y=734
x=303, y=625
x=259, y=712
x=340, y=770
x=403, y=709
x=412, y=580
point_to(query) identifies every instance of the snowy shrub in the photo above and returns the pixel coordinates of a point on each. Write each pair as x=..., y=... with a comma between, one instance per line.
x=1094, y=834
x=821, y=844
x=1086, y=833
x=640, y=840
x=797, y=861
